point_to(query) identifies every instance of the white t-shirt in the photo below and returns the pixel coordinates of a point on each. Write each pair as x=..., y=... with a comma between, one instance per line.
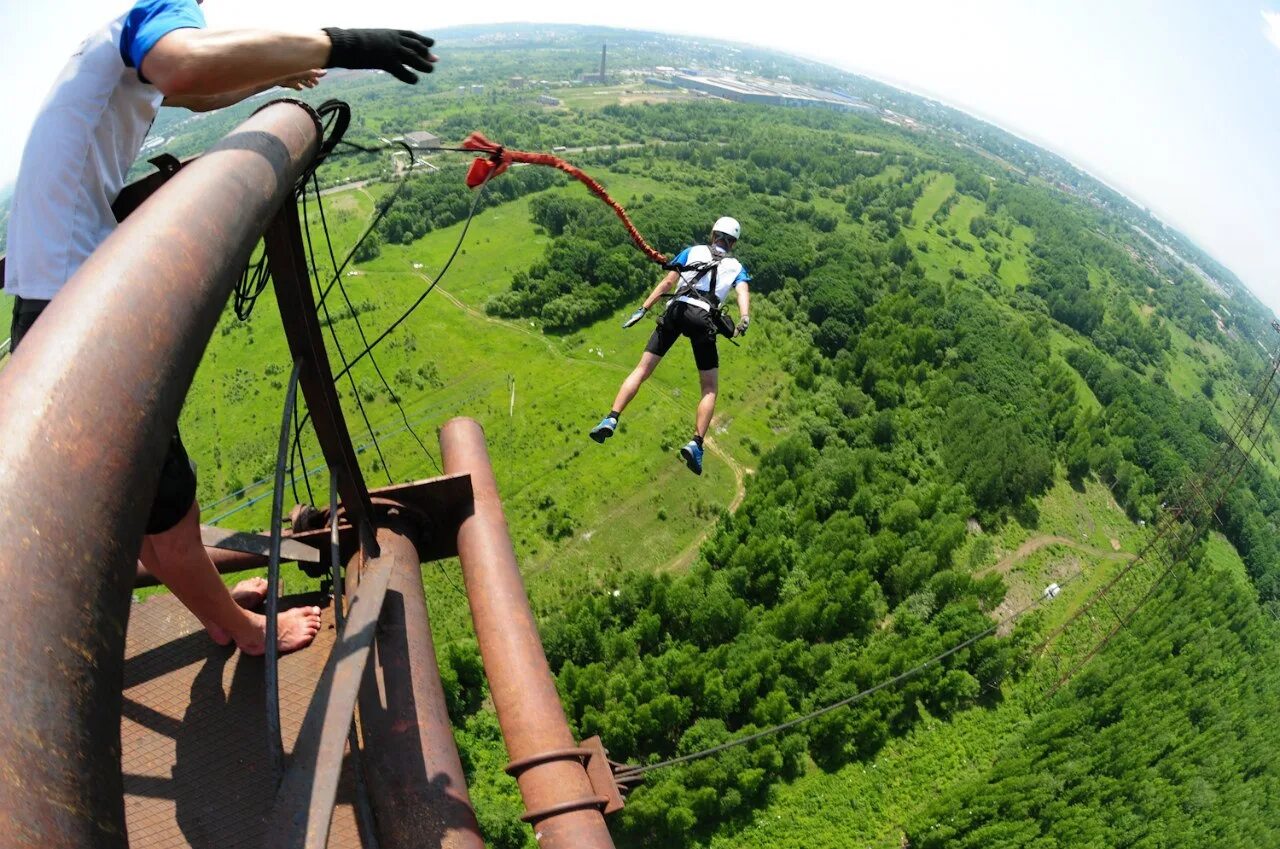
x=83, y=142
x=728, y=275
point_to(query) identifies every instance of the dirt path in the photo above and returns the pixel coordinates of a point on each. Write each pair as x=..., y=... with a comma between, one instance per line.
x=1021, y=592
x=685, y=557
x=1036, y=543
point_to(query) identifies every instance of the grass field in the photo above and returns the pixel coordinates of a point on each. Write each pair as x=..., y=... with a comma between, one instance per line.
x=579, y=512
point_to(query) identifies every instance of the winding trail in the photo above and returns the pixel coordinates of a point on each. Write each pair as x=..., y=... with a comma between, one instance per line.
x=1036, y=543
x=1021, y=592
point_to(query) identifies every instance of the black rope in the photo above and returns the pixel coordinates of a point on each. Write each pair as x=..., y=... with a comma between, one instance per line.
x=368, y=350
x=427, y=413
x=395, y=399
x=296, y=451
x=383, y=207
x=253, y=280
x=466, y=225
x=274, y=741
x=333, y=331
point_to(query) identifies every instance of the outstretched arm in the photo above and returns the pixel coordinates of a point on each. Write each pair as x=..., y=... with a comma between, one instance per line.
x=191, y=62
x=661, y=289
x=744, y=308
x=202, y=63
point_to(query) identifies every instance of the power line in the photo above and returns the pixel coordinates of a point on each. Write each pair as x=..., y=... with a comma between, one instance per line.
x=1243, y=426
x=632, y=772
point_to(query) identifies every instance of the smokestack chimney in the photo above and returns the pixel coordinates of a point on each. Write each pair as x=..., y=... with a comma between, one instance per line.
x=604, y=48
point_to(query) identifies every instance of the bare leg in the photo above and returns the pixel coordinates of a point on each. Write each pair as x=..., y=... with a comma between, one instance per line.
x=648, y=362
x=710, y=381
x=178, y=559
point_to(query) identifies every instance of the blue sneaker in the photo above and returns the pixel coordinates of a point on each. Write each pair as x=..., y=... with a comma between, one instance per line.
x=692, y=455
x=605, y=429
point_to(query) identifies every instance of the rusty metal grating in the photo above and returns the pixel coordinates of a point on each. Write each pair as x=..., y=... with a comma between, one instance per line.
x=196, y=772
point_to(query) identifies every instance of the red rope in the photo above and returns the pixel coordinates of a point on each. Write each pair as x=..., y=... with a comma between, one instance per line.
x=483, y=170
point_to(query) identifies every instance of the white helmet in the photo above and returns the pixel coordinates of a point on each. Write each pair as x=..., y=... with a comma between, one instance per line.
x=728, y=226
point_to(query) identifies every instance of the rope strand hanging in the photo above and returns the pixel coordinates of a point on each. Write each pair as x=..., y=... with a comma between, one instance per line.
x=500, y=158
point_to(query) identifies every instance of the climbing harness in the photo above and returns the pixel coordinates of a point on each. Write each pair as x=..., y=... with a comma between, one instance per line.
x=689, y=288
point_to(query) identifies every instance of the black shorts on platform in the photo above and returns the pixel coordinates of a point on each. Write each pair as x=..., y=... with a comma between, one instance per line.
x=684, y=319
x=177, y=487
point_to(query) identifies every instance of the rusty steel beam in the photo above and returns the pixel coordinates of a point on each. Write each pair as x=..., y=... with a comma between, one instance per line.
x=304, y=803
x=560, y=802
x=414, y=773
x=436, y=505
x=91, y=402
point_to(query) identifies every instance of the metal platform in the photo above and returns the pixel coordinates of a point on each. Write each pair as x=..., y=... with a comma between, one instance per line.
x=196, y=770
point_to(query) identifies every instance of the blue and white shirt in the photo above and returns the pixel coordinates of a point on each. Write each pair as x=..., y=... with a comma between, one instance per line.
x=728, y=275
x=85, y=138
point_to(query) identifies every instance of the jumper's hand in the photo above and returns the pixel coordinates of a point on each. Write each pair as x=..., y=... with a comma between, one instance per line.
x=635, y=316
x=395, y=51
x=741, y=329
x=306, y=79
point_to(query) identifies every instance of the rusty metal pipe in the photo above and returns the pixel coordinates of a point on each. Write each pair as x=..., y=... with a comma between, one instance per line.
x=562, y=806
x=90, y=402
x=414, y=773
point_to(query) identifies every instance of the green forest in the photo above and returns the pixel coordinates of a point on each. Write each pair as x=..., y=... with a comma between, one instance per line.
x=968, y=377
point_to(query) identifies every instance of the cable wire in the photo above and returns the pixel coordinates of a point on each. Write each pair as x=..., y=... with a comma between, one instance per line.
x=631, y=772
x=1196, y=530
x=466, y=225
x=448, y=263
x=395, y=398
x=275, y=743
x=333, y=331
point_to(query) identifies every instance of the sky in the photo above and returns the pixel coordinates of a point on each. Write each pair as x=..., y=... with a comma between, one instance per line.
x=1176, y=103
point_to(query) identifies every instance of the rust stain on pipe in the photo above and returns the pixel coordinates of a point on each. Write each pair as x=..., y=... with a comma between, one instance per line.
x=414, y=773
x=557, y=792
x=90, y=402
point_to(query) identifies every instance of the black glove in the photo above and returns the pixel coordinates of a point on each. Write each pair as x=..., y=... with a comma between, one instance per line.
x=390, y=50
x=741, y=329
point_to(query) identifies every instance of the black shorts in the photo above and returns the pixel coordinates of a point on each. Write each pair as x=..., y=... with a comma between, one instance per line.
x=177, y=488
x=684, y=319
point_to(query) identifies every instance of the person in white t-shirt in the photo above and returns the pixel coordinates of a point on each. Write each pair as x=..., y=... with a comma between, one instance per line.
x=85, y=138
x=705, y=274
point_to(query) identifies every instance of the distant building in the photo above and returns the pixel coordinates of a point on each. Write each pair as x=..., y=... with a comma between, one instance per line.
x=767, y=91
x=422, y=140
x=477, y=89
x=516, y=82
x=548, y=100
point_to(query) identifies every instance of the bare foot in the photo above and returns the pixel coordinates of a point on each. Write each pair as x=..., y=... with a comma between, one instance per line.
x=249, y=594
x=295, y=629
